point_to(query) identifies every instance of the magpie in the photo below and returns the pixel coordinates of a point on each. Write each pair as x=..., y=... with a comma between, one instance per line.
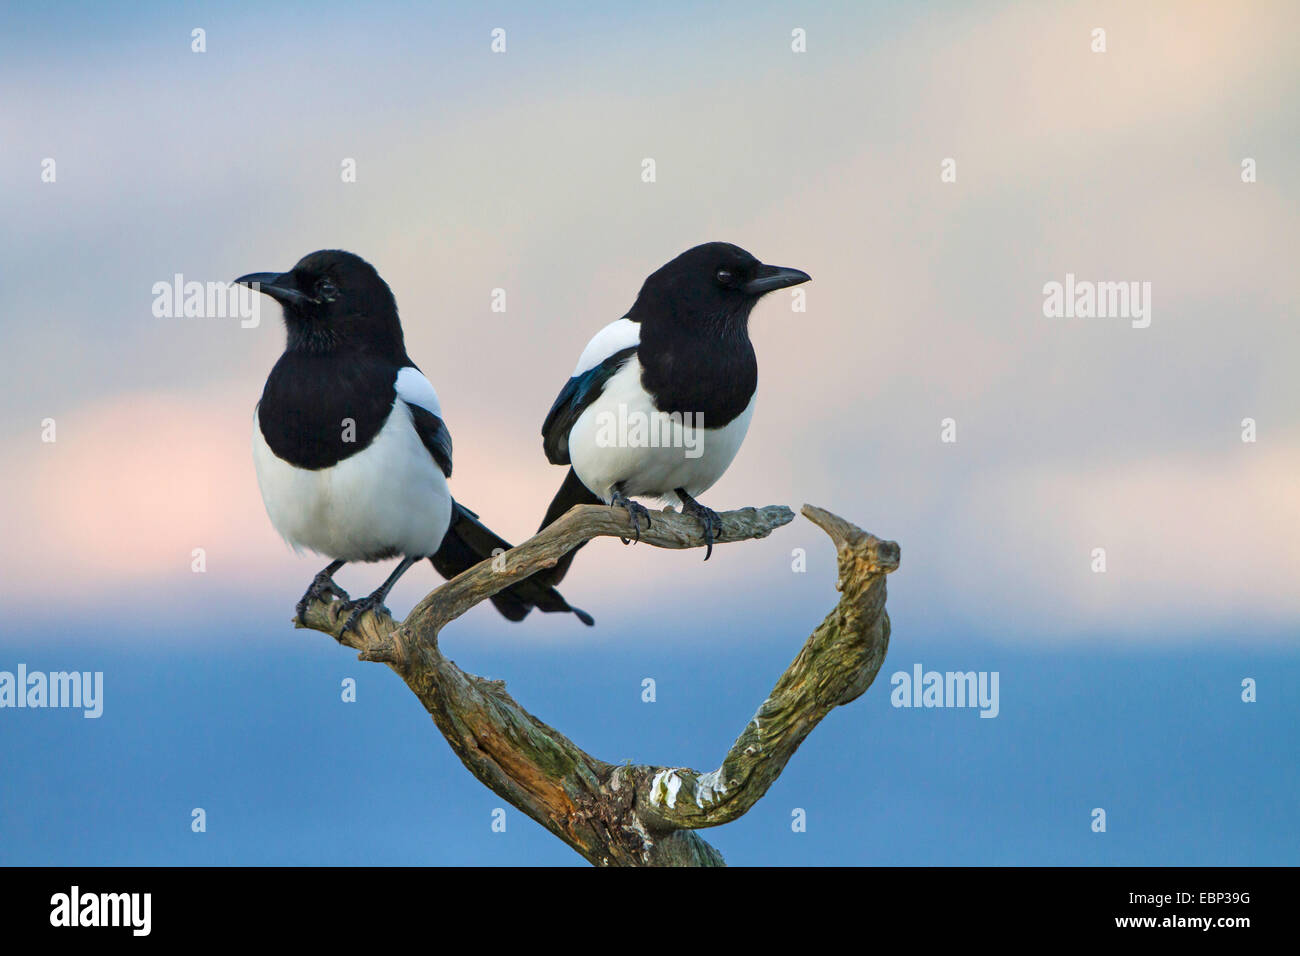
x=661, y=399
x=350, y=446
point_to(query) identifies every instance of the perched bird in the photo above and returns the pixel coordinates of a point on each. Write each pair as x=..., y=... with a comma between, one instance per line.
x=351, y=450
x=661, y=399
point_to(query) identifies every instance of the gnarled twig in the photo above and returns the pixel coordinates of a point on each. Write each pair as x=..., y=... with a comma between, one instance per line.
x=631, y=815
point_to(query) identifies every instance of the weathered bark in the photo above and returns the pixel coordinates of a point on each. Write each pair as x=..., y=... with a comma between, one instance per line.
x=616, y=815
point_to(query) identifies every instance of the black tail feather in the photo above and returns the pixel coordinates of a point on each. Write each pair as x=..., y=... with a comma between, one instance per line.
x=572, y=492
x=468, y=541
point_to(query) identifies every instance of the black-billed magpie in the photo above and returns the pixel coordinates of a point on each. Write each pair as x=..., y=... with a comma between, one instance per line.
x=351, y=450
x=661, y=399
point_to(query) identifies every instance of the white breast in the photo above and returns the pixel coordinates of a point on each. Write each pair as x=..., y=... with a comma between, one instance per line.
x=622, y=438
x=390, y=498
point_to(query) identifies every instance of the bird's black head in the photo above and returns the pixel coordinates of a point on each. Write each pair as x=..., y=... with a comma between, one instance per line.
x=334, y=299
x=710, y=288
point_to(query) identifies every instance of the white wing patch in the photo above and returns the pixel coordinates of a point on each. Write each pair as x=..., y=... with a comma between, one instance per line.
x=612, y=338
x=414, y=389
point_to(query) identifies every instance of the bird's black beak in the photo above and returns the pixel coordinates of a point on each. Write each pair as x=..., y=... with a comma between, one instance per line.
x=278, y=285
x=770, y=278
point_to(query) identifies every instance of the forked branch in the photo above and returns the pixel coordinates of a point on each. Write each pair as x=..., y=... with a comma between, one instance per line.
x=616, y=815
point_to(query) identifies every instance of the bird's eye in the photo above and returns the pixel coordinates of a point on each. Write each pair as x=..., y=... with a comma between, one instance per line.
x=327, y=290
x=723, y=276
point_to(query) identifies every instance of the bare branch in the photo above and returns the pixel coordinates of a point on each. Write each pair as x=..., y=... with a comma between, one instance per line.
x=582, y=523
x=631, y=815
x=836, y=665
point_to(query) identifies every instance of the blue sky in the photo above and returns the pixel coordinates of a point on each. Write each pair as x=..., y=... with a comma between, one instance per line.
x=289, y=774
x=522, y=171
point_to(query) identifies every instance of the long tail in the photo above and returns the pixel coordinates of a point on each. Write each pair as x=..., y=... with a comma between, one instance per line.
x=572, y=492
x=468, y=541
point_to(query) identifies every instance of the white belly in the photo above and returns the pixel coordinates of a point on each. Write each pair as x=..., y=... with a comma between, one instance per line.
x=621, y=437
x=390, y=498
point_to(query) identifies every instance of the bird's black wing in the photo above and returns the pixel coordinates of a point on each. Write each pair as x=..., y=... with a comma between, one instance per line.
x=433, y=432
x=579, y=392
x=426, y=414
x=468, y=541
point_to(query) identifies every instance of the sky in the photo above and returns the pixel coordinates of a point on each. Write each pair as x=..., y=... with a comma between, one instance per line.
x=933, y=167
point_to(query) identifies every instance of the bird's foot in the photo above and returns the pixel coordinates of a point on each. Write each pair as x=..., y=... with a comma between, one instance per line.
x=636, y=512
x=322, y=588
x=373, y=602
x=706, y=516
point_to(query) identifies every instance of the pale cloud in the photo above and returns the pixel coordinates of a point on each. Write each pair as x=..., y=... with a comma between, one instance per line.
x=1193, y=543
x=926, y=299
